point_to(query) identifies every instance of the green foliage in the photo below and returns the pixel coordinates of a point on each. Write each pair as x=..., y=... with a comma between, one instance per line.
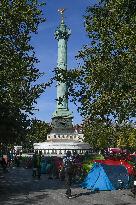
x=100, y=135
x=126, y=137
x=87, y=164
x=18, y=74
x=37, y=132
x=13, y=124
x=105, y=83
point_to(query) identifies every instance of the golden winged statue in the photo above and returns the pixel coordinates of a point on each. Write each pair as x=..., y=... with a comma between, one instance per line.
x=61, y=11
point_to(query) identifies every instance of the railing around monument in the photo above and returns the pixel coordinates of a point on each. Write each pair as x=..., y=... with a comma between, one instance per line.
x=63, y=151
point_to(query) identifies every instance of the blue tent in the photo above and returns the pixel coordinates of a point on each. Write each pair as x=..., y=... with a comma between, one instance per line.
x=106, y=177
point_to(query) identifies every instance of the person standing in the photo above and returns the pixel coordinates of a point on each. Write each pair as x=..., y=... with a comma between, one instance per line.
x=4, y=164
x=50, y=168
x=8, y=158
x=68, y=171
x=36, y=164
x=34, y=161
x=17, y=160
x=39, y=159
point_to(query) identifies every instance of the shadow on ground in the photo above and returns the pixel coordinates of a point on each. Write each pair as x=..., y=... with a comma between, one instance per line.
x=123, y=204
x=115, y=204
x=19, y=182
x=85, y=193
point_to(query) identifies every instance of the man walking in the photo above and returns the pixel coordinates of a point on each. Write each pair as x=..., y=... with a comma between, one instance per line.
x=39, y=159
x=34, y=164
x=68, y=170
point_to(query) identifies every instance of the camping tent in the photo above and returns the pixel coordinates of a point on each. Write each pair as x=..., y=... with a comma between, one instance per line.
x=128, y=166
x=106, y=177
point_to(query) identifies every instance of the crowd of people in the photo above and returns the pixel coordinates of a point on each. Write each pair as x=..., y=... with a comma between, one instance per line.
x=68, y=168
x=9, y=158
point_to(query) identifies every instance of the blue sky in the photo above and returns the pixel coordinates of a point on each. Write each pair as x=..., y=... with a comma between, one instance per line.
x=46, y=49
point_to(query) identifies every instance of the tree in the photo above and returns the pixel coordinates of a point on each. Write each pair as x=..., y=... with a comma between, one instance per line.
x=100, y=135
x=126, y=136
x=18, y=72
x=105, y=83
x=13, y=124
x=37, y=132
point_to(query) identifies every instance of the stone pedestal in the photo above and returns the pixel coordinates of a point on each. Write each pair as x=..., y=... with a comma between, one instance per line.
x=59, y=148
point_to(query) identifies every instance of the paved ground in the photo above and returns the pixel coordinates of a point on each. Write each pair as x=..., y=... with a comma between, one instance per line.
x=18, y=187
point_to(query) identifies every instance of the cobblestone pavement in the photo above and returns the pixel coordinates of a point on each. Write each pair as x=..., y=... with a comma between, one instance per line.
x=18, y=187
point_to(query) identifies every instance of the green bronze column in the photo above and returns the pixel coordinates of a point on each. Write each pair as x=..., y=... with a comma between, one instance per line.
x=62, y=34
